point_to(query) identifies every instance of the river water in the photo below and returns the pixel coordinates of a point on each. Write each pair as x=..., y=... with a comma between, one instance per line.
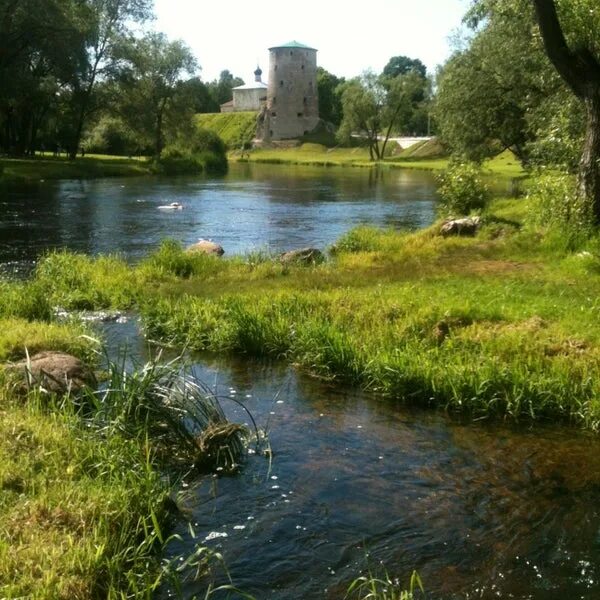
x=481, y=510
x=270, y=207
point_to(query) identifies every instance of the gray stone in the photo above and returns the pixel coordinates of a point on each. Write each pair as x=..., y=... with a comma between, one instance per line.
x=465, y=226
x=305, y=256
x=56, y=372
x=207, y=247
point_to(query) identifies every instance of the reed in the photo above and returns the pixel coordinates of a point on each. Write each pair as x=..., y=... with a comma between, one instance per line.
x=374, y=586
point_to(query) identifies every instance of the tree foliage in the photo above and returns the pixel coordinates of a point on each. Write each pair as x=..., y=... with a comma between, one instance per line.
x=330, y=101
x=401, y=65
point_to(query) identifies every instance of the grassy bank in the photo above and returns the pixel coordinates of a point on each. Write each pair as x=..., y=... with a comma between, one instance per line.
x=505, y=164
x=86, y=482
x=87, y=167
x=503, y=324
x=78, y=503
x=235, y=128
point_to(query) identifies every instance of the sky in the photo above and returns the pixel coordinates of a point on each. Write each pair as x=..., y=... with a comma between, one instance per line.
x=350, y=36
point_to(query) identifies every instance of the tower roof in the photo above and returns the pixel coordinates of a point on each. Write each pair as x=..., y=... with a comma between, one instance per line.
x=293, y=44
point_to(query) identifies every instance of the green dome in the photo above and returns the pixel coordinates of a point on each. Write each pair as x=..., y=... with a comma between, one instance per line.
x=294, y=44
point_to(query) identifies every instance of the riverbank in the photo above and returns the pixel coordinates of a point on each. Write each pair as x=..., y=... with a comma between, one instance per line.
x=87, y=478
x=87, y=167
x=74, y=522
x=481, y=325
x=503, y=165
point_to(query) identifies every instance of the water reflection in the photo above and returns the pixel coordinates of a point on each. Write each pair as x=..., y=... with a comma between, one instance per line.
x=254, y=206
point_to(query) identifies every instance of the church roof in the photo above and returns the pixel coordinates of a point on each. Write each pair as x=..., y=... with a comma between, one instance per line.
x=294, y=44
x=254, y=85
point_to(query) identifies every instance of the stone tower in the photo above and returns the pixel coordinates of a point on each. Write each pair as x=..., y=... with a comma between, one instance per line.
x=292, y=108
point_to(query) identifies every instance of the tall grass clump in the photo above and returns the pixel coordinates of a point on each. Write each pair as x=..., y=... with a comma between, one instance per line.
x=82, y=511
x=461, y=190
x=25, y=300
x=182, y=419
x=382, y=587
x=171, y=259
x=78, y=282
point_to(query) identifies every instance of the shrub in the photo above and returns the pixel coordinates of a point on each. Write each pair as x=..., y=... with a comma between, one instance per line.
x=176, y=161
x=553, y=202
x=461, y=190
x=201, y=151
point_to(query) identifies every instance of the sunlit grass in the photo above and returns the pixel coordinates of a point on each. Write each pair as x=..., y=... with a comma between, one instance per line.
x=51, y=167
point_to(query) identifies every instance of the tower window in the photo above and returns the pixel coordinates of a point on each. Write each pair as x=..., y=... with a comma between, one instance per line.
x=275, y=67
x=305, y=100
x=302, y=67
x=273, y=114
x=274, y=99
x=300, y=114
x=281, y=83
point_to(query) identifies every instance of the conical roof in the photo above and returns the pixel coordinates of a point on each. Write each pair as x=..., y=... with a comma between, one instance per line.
x=293, y=44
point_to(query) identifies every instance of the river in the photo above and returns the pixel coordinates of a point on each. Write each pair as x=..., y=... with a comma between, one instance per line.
x=254, y=207
x=481, y=510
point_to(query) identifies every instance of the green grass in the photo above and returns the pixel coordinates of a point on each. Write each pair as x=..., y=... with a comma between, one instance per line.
x=85, y=486
x=505, y=165
x=89, y=166
x=503, y=324
x=79, y=509
x=235, y=128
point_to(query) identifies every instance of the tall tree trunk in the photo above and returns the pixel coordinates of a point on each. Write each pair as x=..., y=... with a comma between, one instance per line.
x=581, y=71
x=589, y=166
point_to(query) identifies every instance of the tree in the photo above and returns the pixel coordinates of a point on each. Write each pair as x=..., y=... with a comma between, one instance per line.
x=376, y=106
x=330, y=101
x=490, y=92
x=401, y=65
x=578, y=63
x=221, y=90
x=107, y=27
x=41, y=48
x=154, y=92
x=362, y=104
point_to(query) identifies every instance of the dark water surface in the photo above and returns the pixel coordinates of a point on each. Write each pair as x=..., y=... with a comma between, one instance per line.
x=480, y=510
x=274, y=207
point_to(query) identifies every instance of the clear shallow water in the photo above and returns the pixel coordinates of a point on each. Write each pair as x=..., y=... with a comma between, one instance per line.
x=480, y=510
x=277, y=207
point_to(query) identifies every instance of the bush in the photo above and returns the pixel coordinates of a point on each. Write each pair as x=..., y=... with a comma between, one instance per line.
x=461, y=190
x=111, y=136
x=201, y=151
x=177, y=161
x=553, y=203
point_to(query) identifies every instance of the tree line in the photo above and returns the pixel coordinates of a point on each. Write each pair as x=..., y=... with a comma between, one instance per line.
x=528, y=79
x=74, y=74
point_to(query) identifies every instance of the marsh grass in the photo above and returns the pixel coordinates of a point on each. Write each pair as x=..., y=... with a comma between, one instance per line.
x=79, y=511
x=177, y=414
x=502, y=324
x=382, y=587
x=85, y=506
